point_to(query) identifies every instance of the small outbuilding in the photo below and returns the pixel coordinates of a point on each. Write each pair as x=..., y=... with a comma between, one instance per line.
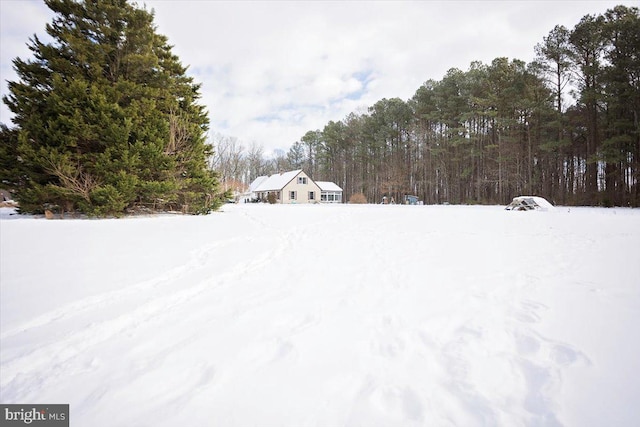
x=411, y=200
x=529, y=203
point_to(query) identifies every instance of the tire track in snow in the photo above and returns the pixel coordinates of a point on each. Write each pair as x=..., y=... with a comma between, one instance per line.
x=89, y=304
x=198, y=260
x=59, y=356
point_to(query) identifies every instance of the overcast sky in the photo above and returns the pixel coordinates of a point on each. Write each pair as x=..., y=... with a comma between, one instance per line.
x=272, y=70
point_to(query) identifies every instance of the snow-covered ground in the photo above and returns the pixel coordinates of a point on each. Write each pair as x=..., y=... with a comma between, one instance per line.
x=341, y=315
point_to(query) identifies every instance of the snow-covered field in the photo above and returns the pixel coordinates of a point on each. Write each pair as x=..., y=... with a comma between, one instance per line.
x=326, y=316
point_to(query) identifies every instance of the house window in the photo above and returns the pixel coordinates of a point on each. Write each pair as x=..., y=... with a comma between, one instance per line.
x=302, y=180
x=331, y=196
x=312, y=195
x=292, y=195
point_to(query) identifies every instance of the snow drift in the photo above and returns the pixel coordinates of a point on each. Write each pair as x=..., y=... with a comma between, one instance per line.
x=322, y=315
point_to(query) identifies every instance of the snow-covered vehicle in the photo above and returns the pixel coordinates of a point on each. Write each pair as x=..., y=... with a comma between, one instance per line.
x=529, y=203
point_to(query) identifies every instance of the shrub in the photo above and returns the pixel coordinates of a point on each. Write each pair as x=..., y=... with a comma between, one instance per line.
x=271, y=198
x=358, y=198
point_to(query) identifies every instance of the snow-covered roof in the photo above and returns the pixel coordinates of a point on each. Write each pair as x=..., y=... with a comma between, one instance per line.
x=256, y=182
x=328, y=186
x=532, y=201
x=277, y=181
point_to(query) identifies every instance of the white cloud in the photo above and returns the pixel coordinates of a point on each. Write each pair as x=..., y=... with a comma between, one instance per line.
x=19, y=21
x=273, y=70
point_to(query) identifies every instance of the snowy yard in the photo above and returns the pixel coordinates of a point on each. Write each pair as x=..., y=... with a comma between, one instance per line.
x=326, y=316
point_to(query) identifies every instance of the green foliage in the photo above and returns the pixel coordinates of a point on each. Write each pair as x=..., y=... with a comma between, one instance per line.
x=295, y=156
x=106, y=120
x=503, y=129
x=10, y=166
x=104, y=200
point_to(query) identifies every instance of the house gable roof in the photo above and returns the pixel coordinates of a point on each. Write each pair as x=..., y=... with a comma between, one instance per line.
x=256, y=182
x=278, y=181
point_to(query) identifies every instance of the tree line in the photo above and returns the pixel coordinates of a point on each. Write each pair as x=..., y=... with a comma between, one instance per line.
x=107, y=122
x=502, y=129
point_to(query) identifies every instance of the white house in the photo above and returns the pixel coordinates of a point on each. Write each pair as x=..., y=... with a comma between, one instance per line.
x=295, y=187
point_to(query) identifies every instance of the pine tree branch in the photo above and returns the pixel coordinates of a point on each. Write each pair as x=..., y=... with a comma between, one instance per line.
x=72, y=178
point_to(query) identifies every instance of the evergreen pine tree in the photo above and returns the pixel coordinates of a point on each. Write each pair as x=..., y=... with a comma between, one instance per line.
x=107, y=121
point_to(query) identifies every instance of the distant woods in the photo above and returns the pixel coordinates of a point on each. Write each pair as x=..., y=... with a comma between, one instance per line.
x=565, y=126
x=107, y=122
